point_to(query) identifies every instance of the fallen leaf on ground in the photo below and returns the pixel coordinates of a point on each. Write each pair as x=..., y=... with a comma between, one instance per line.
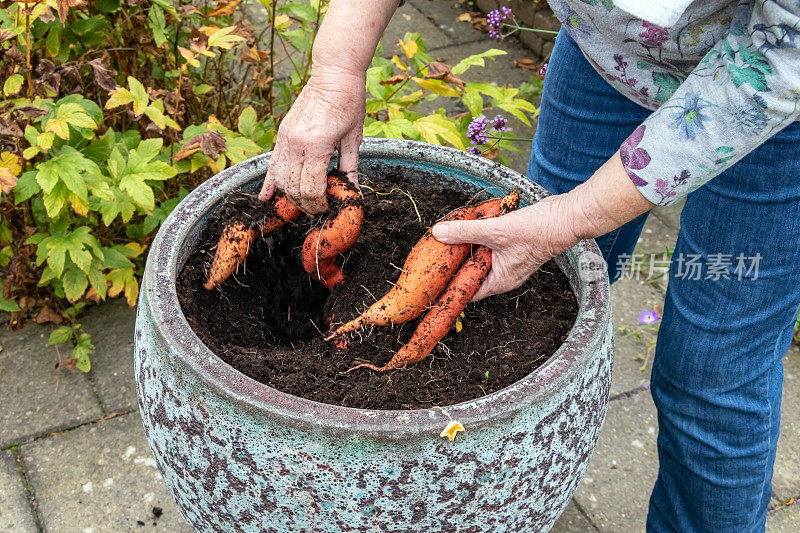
x=67, y=364
x=48, y=315
x=527, y=63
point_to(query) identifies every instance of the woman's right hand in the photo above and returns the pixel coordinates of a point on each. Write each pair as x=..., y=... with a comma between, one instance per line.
x=328, y=115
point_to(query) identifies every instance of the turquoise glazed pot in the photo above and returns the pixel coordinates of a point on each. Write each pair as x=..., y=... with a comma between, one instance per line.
x=241, y=456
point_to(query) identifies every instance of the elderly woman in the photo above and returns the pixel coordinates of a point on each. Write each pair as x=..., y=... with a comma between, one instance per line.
x=644, y=103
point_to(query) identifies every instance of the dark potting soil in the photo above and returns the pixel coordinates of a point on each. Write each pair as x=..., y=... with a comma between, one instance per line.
x=268, y=319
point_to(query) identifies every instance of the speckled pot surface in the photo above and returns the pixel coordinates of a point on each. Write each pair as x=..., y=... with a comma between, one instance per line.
x=240, y=456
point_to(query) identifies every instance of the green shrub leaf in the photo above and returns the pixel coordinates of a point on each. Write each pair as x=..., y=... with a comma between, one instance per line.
x=60, y=335
x=13, y=84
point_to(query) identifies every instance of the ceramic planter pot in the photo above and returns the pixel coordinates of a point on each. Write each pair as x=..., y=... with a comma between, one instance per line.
x=241, y=456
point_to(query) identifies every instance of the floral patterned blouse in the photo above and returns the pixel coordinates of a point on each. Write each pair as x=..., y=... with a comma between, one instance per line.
x=721, y=80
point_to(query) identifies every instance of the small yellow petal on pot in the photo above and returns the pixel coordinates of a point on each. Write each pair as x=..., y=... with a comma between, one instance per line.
x=452, y=428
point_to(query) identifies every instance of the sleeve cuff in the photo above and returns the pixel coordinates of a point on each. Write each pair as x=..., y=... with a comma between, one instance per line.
x=658, y=190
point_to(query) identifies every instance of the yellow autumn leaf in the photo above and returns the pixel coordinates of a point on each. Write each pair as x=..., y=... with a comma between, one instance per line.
x=78, y=205
x=436, y=128
x=222, y=37
x=11, y=162
x=135, y=249
x=452, y=428
x=410, y=48
x=59, y=127
x=282, y=22
x=437, y=86
x=399, y=64
x=13, y=84
x=119, y=96
x=224, y=8
x=9, y=170
x=189, y=56
x=45, y=140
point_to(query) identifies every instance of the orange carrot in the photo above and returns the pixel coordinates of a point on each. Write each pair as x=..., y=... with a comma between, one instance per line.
x=336, y=235
x=440, y=318
x=236, y=239
x=426, y=271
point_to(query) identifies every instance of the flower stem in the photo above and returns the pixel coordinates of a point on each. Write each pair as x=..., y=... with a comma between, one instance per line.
x=509, y=138
x=523, y=28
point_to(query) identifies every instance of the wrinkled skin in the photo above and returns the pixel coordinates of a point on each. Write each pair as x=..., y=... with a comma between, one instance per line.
x=328, y=115
x=522, y=241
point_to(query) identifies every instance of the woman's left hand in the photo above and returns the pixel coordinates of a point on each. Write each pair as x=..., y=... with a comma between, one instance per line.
x=521, y=241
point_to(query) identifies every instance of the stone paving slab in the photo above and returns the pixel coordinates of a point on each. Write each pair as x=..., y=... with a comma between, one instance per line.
x=786, y=476
x=572, y=521
x=15, y=511
x=36, y=397
x=111, y=326
x=656, y=237
x=100, y=478
x=443, y=14
x=628, y=299
x=616, y=488
x=409, y=19
x=784, y=520
x=670, y=215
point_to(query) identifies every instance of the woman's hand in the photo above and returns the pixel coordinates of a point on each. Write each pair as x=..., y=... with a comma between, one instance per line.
x=524, y=240
x=521, y=241
x=328, y=115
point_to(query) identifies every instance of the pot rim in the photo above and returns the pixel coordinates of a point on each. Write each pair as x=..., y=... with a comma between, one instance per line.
x=584, y=339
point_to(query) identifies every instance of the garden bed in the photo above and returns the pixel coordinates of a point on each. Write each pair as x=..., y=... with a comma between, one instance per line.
x=268, y=320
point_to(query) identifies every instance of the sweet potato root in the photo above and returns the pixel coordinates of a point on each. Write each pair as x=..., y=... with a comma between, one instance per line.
x=451, y=303
x=336, y=235
x=440, y=318
x=233, y=247
x=236, y=239
x=426, y=271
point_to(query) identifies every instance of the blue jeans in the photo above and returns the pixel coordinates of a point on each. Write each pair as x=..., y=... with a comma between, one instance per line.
x=717, y=371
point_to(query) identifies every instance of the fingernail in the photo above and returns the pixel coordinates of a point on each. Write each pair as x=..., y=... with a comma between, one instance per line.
x=440, y=231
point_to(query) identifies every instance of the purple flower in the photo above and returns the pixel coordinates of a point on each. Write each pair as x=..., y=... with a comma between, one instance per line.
x=690, y=119
x=649, y=317
x=475, y=150
x=543, y=70
x=634, y=158
x=499, y=123
x=476, y=131
x=654, y=35
x=494, y=19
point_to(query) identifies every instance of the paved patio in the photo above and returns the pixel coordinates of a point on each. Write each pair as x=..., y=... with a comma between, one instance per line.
x=73, y=457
